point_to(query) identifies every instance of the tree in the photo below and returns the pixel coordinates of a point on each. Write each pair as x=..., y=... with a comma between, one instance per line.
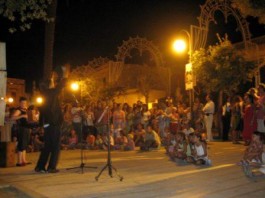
x=255, y=8
x=21, y=13
x=222, y=67
x=49, y=40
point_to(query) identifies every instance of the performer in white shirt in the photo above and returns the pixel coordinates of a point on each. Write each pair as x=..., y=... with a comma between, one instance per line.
x=208, y=110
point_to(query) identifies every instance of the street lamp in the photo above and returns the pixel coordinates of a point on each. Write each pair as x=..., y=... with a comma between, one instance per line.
x=39, y=100
x=75, y=86
x=10, y=100
x=179, y=46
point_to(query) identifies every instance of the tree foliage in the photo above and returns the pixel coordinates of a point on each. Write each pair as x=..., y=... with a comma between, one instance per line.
x=255, y=8
x=21, y=13
x=222, y=67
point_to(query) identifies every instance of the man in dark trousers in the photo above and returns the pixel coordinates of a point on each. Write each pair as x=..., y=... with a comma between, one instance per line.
x=51, y=118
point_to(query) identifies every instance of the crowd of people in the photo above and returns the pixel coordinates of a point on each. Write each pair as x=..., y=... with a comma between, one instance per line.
x=175, y=127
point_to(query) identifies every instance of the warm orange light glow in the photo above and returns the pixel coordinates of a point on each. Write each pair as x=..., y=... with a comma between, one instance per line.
x=39, y=100
x=10, y=100
x=74, y=86
x=179, y=46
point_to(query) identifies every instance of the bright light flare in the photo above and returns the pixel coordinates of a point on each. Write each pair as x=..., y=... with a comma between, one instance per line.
x=39, y=100
x=179, y=46
x=75, y=86
x=10, y=100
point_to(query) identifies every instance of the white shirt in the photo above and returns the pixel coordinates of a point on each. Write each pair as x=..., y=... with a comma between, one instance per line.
x=209, y=107
x=76, y=113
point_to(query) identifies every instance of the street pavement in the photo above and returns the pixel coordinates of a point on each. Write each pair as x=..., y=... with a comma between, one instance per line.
x=146, y=174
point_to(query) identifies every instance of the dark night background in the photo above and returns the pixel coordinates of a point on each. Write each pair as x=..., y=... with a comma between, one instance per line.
x=86, y=29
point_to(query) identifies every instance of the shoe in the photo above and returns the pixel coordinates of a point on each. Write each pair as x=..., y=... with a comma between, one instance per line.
x=53, y=171
x=39, y=170
x=20, y=164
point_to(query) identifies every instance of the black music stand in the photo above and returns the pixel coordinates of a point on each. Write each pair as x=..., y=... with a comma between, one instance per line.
x=109, y=162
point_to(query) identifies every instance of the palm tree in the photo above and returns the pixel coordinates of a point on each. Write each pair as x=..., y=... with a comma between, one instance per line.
x=49, y=40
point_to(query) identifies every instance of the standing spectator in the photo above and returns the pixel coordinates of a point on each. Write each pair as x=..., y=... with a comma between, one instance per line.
x=76, y=120
x=208, y=110
x=129, y=119
x=88, y=123
x=23, y=136
x=197, y=110
x=103, y=124
x=146, y=115
x=67, y=120
x=226, y=118
x=118, y=118
x=250, y=119
x=235, y=118
x=261, y=108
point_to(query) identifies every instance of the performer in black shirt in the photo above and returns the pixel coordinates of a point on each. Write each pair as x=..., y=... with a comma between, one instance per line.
x=51, y=119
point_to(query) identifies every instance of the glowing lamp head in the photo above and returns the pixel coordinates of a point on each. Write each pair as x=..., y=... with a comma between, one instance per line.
x=74, y=86
x=179, y=46
x=10, y=100
x=39, y=100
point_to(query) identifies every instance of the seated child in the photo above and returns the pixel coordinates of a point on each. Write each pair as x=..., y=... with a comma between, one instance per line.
x=130, y=146
x=139, y=135
x=199, y=154
x=181, y=146
x=121, y=141
x=253, y=153
x=72, y=140
x=187, y=129
x=90, y=139
x=170, y=147
x=106, y=141
x=98, y=142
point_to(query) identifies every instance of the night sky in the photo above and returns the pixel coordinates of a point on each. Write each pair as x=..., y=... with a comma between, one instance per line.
x=86, y=29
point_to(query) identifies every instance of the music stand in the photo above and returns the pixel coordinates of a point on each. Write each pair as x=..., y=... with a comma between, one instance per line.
x=82, y=164
x=109, y=162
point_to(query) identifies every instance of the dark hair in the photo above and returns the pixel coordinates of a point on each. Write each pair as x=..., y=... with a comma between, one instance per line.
x=251, y=98
x=182, y=135
x=260, y=135
x=22, y=99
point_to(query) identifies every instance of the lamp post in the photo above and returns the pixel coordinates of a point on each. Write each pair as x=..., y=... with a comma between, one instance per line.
x=180, y=46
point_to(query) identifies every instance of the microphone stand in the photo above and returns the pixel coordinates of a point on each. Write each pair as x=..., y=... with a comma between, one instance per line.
x=109, y=162
x=82, y=165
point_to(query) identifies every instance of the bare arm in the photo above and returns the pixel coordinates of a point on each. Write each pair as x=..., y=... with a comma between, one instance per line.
x=17, y=115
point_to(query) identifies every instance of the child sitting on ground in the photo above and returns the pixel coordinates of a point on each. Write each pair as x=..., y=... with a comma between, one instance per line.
x=106, y=141
x=72, y=140
x=121, y=141
x=181, y=146
x=98, y=142
x=187, y=129
x=130, y=146
x=199, y=154
x=90, y=140
x=170, y=145
x=253, y=153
